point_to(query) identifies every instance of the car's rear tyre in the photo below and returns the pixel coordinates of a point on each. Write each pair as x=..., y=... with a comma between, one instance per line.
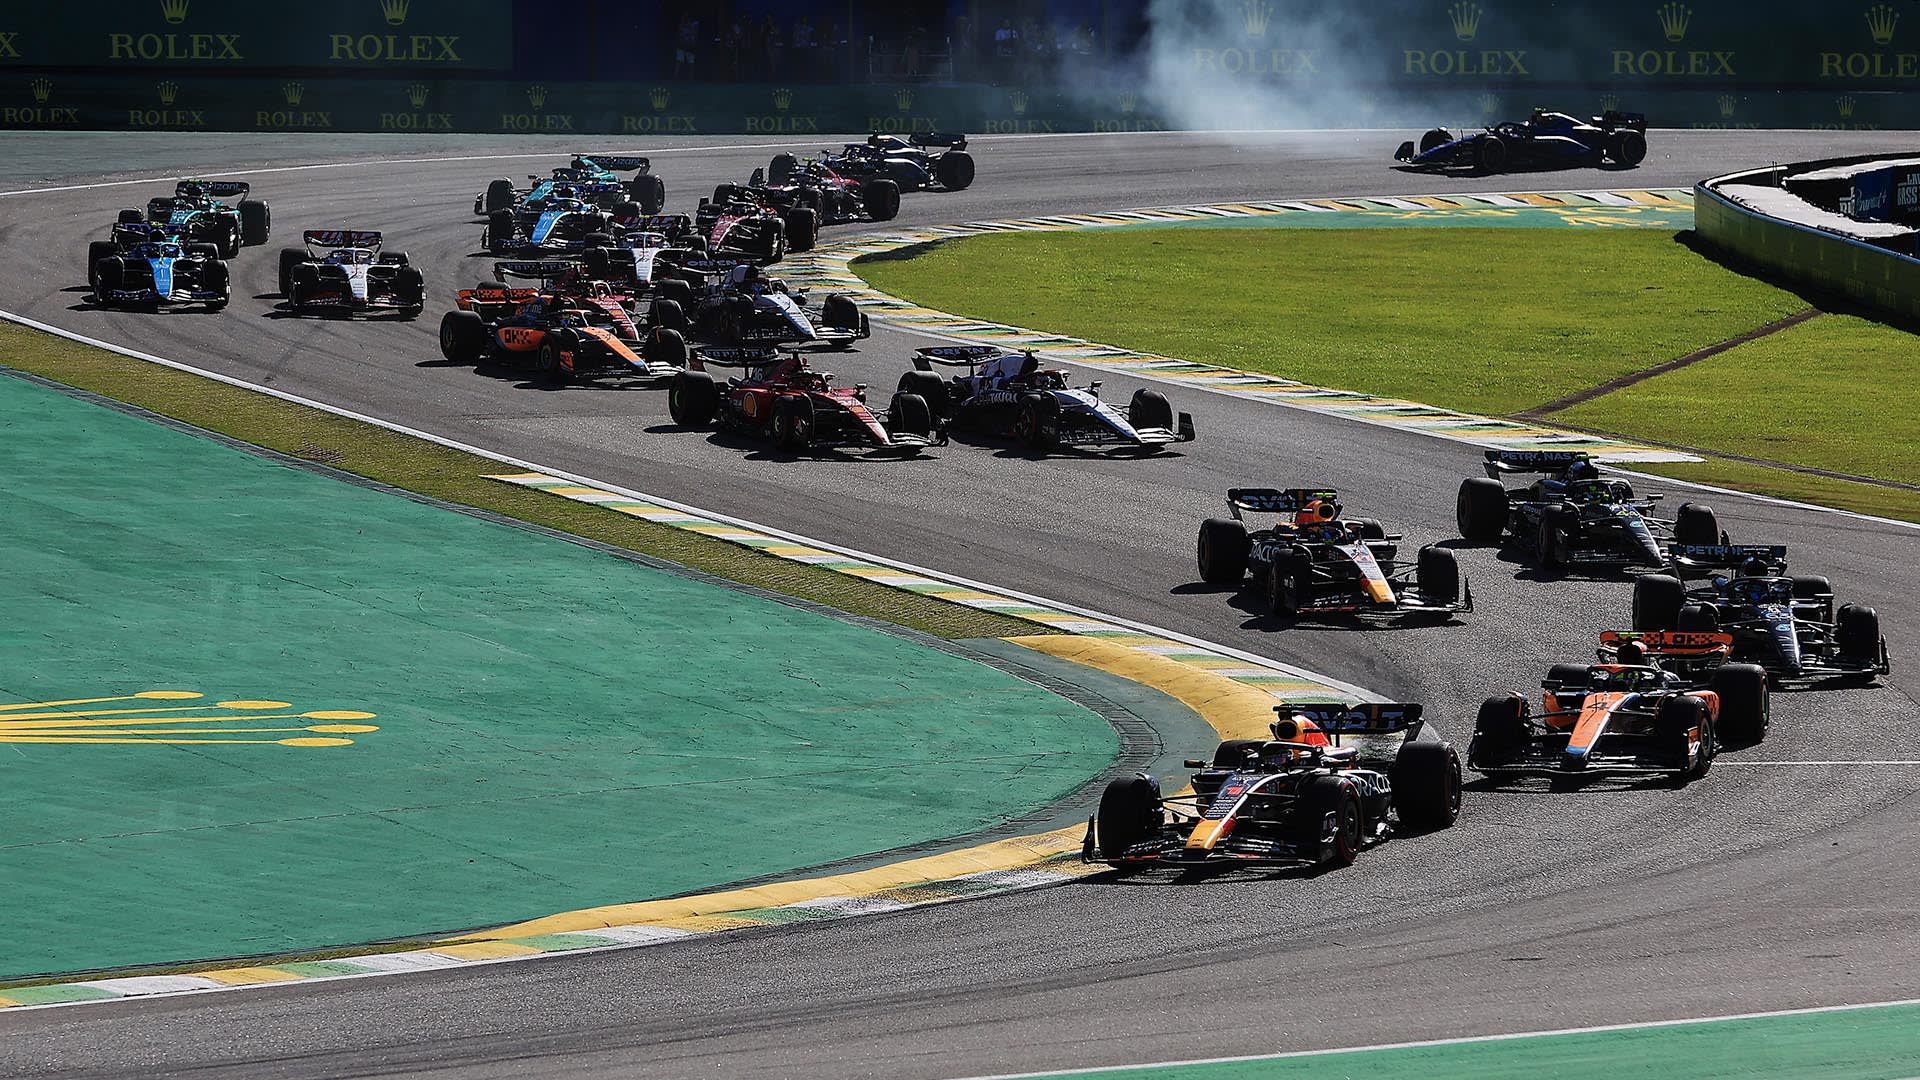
x=649, y=191
x=463, y=336
x=841, y=313
x=667, y=314
x=693, y=399
x=1857, y=633
x=1222, y=551
x=1481, y=509
x=1811, y=587
x=256, y=223
x=910, y=415
x=803, y=228
x=1150, y=409
x=1697, y=619
x=793, y=422
x=1565, y=677
x=596, y=263
x=499, y=197
x=130, y=217
x=1435, y=137
x=954, y=170
x=289, y=258
x=1746, y=710
x=1657, y=599
x=931, y=389
x=1500, y=731
x=781, y=168
x=666, y=345
x=1437, y=573
x=880, y=199
x=1696, y=523
x=1130, y=812
x=676, y=290
x=1547, y=545
x=203, y=251
x=1322, y=797
x=1426, y=785
x=1370, y=528
x=1233, y=753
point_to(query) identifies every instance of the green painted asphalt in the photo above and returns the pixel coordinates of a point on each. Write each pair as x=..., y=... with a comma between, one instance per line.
x=1851, y=1044
x=552, y=727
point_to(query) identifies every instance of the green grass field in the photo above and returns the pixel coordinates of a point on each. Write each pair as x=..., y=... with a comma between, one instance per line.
x=1492, y=321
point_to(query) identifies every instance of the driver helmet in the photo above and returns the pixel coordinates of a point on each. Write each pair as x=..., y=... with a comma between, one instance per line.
x=1595, y=493
x=1755, y=567
x=1631, y=653
x=1583, y=469
x=193, y=191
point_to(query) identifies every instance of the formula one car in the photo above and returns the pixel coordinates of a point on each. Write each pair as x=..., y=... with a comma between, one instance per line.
x=1299, y=799
x=130, y=231
x=569, y=328
x=742, y=222
x=590, y=177
x=160, y=270
x=738, y=305
x=1786, y=625
x=344, y=271
x=908, y=162
x=196, y=215
x=1316, y=564
x=1621, y=719
x=558, y=225
x=1007, y=394
x=1572, y=517
x=834, y=199
x=783, y=400
x=1546, y=140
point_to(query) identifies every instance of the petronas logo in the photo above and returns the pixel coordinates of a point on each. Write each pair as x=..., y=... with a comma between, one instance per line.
x=1674, y=19
x=155, y=717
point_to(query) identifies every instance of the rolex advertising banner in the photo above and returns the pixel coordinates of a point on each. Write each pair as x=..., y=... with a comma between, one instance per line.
x=232, y=35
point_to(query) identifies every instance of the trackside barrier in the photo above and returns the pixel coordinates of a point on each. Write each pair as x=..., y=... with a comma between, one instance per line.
x=1874, y=277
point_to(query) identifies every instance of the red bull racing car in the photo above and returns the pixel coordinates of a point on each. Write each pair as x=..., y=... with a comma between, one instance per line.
x=1300, y=799
x=1310, y=562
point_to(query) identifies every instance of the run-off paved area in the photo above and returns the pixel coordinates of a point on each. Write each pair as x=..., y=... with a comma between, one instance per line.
x=371, y=718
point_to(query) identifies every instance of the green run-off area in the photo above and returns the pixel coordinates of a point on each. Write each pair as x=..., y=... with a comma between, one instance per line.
x=1484, y=319
x=412, y=720
x=1857, y=1044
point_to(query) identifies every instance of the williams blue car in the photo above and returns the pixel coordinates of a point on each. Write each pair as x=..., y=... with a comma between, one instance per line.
x=1007, y=394
x=1547, y=140
x=161, y=270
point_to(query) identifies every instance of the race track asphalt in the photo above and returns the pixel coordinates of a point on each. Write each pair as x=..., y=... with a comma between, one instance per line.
x=1765, y=886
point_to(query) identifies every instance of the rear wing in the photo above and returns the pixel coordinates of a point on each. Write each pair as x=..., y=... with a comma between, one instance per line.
x=743, y=357
x=1614, y=118
x=1501, y=462
x=219, y=189
x=341, y=238
x=671, y=226
x=138, y=232
x=1275, y=500
x=1671, y=643
x=539, y=270
x=947, y=139
x=966, y=356
x=1368, y=718
x=1709, y=557
x=616, y=162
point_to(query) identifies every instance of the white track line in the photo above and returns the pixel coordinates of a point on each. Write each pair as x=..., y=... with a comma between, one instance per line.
x=938, y=575
x=1466, y=1040
x=1786, y=764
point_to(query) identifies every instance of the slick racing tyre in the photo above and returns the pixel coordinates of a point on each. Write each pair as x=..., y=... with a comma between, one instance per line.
x=1438, y=575
x=1149, y=409
x=1481, y=510
x=290, y=258
x=1223, y=548
x=1657, y=599
x=1674, y=723
x=499, y=197
x=781, y=169
x=954, y=170
x=1490, y=153
x=500, y=232
x=880, y=199
x=1435, y=137
x=463, y=337
x=1696, y=523
x=803, y=228
x=1746, y=711
x=841, y=313
x=668, y=315
x=909, y=415
x=693, y=399
x=1557, y=521
x=666, y=346
x=1288, y=582
x=793, y=423
x=97, y=251
x=1129, y=813
x=1328, y=801
x=1500, y=732
x=1857, y=633
x=1426, y=785
x=1627, y=148
x=649, y=191
x=930, y=388
x=131, y=217
x=256, y=223
x=1034, y=424
x=680, y=292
